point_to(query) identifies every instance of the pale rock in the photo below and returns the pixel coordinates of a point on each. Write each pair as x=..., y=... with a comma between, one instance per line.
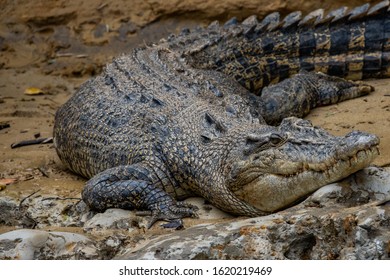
x=28, y=244
x=344, y=220
x=115, y=219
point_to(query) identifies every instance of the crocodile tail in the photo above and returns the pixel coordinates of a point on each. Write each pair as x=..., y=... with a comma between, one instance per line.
x=353, y=44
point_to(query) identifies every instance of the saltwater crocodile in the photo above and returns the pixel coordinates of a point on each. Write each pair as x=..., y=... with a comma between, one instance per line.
x=195, y=114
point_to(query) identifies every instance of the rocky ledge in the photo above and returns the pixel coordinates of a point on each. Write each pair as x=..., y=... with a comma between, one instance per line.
x=345, y=220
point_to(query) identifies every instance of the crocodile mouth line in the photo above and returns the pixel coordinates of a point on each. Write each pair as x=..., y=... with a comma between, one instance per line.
x=363, y=156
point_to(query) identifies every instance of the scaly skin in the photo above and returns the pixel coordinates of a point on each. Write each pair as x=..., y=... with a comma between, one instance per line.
x=174, y=120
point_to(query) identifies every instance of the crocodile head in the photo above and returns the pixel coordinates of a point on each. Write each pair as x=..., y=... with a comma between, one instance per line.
x=280, y=165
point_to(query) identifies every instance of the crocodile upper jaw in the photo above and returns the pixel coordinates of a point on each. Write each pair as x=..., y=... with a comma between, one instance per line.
x=275, y=179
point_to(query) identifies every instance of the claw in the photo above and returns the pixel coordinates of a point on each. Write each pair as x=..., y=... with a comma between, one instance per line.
x=176, y=224
x=173, y=215
x=365, y=89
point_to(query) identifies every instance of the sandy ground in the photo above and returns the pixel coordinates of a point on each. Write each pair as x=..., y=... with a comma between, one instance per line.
x=56, y=45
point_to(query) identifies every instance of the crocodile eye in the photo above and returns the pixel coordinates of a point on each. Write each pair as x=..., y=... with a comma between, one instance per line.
x=276, y=140
x=304, y=123
x=256, y=143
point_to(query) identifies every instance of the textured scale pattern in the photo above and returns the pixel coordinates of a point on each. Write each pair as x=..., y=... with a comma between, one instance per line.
x=192, y=114
x=343, y=44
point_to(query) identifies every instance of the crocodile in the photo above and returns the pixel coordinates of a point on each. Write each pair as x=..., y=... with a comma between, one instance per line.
x=217, y=112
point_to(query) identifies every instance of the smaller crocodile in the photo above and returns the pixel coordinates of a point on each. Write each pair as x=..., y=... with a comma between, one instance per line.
x=193, y=115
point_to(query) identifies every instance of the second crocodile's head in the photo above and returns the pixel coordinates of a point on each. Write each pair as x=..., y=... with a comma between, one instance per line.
x=279, y=165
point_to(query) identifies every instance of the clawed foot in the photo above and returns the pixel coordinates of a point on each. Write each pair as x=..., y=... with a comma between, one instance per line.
x=335, y=89
x=296, y=96
x=172, y=214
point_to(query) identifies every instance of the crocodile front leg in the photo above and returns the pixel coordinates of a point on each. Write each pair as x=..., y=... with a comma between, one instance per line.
x=130, y=187
x=296, y=96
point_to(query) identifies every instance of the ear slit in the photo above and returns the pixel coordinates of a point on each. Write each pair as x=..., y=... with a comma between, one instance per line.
x=212, y=121
x=256, y=143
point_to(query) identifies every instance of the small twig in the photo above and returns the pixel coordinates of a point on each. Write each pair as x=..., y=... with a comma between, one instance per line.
x=61, y=198
x=64, y=54
x=29, y=178
x=43, y=171
x=101, y=6
x=82, y=55
x=50, y=99
x=32, y=142
x=382, y=202
x=4, y=125
x=30, y=195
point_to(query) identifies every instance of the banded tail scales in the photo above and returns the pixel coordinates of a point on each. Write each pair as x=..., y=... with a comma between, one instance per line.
x=352, y=44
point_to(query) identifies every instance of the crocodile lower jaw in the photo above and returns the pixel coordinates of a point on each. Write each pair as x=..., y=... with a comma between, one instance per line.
x=272, y=192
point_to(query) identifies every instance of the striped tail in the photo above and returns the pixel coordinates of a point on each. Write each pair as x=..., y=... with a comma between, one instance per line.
x=351, y=44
